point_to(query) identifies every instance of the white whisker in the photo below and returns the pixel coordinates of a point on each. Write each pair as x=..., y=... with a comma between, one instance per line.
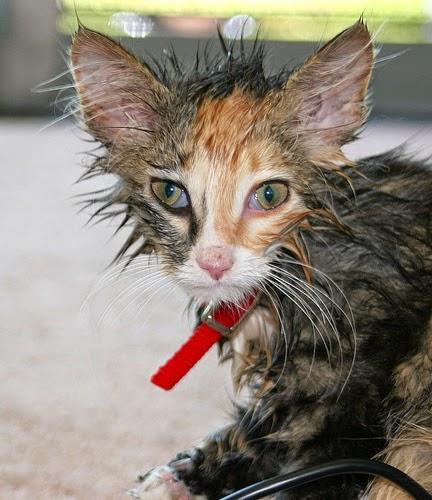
x=117, y=272
x=348, y=316
x=325, y=313
x=305, y=308
x=283, y=331
x=128, y=291
x=156, y=292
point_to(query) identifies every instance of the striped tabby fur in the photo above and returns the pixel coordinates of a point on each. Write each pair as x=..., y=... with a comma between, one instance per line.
x=337, y=357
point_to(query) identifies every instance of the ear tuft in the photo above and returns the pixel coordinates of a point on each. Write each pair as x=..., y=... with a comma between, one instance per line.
x=329, y=93
x=118, y=94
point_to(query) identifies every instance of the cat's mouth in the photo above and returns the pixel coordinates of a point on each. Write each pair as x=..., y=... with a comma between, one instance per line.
x=244, y=278
x=218, y=292
x=227, y=290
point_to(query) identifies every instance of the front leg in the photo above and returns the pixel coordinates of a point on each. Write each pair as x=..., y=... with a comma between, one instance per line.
x=221, y=466
x=297, y=417
x=162, y=483
x=270, y=438
x=216, y=469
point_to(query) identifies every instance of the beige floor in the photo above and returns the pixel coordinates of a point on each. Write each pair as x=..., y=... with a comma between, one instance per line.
x=78, y=417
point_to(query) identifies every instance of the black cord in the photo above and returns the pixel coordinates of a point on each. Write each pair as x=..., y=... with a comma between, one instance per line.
x=334, y=468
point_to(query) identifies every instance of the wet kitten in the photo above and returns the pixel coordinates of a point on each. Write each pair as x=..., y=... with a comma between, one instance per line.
x=221, y=163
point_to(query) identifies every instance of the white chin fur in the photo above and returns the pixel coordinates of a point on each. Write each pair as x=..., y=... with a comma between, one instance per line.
x=246, y=275
x=217, y=293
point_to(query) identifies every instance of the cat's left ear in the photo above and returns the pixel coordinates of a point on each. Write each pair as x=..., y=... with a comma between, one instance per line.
x=119, y=96
x=324, y=100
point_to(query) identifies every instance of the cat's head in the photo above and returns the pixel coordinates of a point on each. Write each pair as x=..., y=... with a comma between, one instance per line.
x=216, y=164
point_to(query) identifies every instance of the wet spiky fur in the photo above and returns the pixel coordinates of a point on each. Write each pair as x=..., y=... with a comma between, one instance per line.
x=346, y=301
x=212, y=76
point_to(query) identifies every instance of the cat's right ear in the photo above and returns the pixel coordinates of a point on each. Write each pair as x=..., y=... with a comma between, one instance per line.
x=119, y=96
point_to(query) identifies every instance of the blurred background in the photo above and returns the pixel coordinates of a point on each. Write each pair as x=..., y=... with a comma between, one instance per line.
x=78, y=341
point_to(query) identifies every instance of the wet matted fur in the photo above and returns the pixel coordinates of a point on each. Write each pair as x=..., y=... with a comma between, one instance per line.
x=336, y=357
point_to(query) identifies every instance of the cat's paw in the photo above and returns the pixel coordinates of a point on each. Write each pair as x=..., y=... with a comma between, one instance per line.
x=161, y=483
x=187, y=464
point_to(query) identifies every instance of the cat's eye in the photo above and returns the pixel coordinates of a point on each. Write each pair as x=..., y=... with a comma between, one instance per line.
x=269, y=195
x=170, y=194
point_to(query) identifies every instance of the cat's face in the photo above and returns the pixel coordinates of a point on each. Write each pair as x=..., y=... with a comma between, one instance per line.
x=228, y=200
x=213, y=183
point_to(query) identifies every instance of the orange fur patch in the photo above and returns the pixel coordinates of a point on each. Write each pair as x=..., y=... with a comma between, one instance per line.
x=230, y=138
x=224, y=126
x=410, y=452
x=411, y=449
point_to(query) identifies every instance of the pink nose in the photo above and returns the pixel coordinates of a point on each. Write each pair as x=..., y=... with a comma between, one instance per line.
x=215, y=260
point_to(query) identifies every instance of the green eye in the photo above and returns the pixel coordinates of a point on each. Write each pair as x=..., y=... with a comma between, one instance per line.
x=170, y=194
x=269, y=195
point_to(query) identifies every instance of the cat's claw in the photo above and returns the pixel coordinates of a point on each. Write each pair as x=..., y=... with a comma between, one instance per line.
x=161, y=483
x=187, y=463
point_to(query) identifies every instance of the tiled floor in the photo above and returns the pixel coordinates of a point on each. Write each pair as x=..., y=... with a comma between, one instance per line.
x=78, y=417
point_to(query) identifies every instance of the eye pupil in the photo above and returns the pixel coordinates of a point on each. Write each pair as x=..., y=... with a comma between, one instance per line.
x=169, y=189
x=268, y=194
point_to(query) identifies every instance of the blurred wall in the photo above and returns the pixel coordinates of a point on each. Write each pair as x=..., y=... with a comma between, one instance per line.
x=29, y=54
x=401, y=83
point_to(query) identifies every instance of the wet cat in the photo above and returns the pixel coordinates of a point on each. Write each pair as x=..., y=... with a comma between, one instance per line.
x=236, y=179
